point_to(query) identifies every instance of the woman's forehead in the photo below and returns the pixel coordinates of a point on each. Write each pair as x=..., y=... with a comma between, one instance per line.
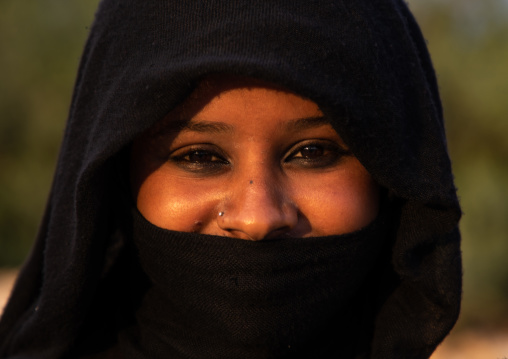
x=213, y=86
x=221, y=96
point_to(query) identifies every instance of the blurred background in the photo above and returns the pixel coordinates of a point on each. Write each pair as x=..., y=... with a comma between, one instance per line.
x=40, y=47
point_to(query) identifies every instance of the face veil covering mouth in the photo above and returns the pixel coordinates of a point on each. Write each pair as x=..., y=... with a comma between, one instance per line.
x=221, y=297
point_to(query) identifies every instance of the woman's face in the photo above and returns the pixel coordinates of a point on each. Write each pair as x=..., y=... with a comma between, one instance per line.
x=245, y=159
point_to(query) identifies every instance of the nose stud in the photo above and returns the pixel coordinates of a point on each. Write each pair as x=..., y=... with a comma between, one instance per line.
x=221, y=214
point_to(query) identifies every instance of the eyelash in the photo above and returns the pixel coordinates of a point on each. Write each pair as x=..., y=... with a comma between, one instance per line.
x=215, y=162
x=328, y=154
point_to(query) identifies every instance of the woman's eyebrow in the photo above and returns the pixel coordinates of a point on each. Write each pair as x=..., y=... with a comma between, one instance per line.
x=177, y=125
x=206, y=126
x=305, y=123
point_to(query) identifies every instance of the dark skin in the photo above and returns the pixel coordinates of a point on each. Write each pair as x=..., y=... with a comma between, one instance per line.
x=246, y=159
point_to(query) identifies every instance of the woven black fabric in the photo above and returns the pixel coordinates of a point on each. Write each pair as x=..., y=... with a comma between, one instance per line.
x=221, y=297
x=363, y=62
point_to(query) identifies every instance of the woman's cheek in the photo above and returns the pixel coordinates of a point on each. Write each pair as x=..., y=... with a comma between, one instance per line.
x=338, y=202
x=177, y=203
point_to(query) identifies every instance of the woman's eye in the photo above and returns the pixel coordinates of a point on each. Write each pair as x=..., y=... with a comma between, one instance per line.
x=200, y=156
x=310, y=152
x=198, y=160
x=316, y=155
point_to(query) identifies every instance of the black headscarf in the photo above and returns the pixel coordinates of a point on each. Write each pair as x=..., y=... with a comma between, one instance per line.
x=363, y=62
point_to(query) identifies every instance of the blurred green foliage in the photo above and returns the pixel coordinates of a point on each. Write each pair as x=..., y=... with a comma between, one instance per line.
x=40, y=46
x=468, y=41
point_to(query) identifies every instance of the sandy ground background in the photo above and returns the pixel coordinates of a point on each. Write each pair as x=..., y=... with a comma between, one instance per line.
x=465, y=344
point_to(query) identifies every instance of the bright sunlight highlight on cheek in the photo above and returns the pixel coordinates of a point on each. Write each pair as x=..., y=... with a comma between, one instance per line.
x=246, y=159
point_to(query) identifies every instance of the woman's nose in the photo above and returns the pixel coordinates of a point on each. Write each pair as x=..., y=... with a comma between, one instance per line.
x=257, y=208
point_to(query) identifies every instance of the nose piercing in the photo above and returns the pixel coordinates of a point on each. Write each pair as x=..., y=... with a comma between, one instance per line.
x=221, y=214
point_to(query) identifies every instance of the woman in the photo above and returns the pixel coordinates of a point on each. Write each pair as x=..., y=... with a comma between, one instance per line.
x=246, y=180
